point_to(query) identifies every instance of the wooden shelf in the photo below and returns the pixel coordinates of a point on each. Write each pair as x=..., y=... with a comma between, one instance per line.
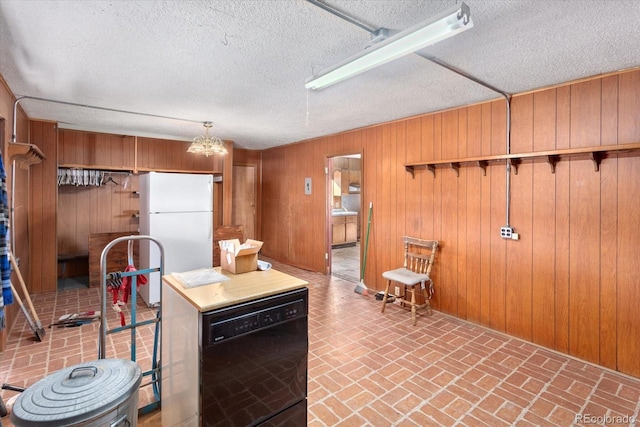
x=595, y=154
x=25, y=154
x=97, y=167
x=212, y=172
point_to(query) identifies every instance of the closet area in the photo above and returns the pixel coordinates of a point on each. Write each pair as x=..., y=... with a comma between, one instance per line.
x=98, y=196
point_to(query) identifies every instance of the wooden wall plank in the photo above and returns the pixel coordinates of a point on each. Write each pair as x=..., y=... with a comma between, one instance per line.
x=448, y=217
x=474, y=179
x=608, y=257
x=627, y=266
x=498, y=219
x=585, y=113
x=413, y=185
x=486, y=230
x=584, y=261
x=628, y=107
x=518, y=288
x=42, y=265
x=461, y=255
x=543, y=235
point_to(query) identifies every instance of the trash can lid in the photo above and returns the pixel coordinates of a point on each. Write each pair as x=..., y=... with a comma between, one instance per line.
x=77, y=393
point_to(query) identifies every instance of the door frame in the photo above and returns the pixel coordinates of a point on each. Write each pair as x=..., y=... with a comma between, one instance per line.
x=328, y=205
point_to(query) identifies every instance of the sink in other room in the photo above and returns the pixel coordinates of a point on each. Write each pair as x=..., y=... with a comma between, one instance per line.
x=341, y=212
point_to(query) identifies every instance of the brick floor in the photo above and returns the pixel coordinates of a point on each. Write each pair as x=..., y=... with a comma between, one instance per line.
x=372, y=369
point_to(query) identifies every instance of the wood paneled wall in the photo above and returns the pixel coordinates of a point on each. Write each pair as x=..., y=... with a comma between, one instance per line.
x=21, y=196
x=74, y=213
x=43, y=266
x=570, y=283
x=88, y=210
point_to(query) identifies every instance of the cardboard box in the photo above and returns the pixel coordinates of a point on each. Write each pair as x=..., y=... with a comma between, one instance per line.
x=236, y=258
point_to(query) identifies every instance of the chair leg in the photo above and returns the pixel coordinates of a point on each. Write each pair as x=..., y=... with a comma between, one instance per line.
x=384, y=298
x=427, y=302
x=413, y=306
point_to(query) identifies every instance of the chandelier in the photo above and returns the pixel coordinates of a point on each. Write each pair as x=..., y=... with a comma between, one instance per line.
x=207, y=144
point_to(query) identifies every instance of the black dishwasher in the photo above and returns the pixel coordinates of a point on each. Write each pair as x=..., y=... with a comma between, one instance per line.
x=254, y=363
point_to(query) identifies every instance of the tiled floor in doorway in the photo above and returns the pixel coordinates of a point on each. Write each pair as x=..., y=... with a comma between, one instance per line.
x=345, y=262
x=373, y=369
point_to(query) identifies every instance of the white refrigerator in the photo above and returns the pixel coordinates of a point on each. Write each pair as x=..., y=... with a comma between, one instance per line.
x=177, y=210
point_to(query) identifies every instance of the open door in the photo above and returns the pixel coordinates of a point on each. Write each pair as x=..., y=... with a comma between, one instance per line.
x=344, y=215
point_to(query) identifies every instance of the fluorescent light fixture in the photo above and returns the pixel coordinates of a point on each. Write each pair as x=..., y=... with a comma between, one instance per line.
x=435, y=29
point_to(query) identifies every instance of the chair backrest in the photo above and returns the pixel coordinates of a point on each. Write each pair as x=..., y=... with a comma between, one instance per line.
x=419, y=254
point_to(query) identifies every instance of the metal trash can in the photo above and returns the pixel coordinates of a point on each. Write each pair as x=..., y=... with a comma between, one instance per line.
x=99, y=393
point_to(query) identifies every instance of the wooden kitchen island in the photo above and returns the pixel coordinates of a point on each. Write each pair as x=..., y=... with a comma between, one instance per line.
x=186, y=333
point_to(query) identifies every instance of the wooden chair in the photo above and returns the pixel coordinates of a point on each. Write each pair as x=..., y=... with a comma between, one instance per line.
x=419, y=256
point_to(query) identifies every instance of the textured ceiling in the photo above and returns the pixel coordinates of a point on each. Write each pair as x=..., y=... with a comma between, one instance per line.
x=243, y=63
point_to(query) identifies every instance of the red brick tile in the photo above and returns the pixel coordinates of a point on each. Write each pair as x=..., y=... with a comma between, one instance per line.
x=337, y=407
x=593, y=409
x=389, y=413
x=536, y=421
x=457, y=408
x=489, y=419
x=562, y=416
x=360, y=400
x=509, y=412
x=409, y=403
x=488, y=382
x=321, y=412
x=629, y=393
x=516, y=396
x=533, y=385
x=609, y=386
x=442, y=399
x=580, y=390
x=553, y=398
x=349, y=392
x=622, y=406
x=542, y=407
x=439, y=417
x=352, y=421
x=516, y=379
x=491, y=403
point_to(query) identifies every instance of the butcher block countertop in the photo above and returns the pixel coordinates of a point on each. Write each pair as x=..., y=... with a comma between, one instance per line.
x=239, y=288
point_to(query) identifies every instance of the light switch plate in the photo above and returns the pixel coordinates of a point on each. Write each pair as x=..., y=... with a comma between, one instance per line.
x=307, y=186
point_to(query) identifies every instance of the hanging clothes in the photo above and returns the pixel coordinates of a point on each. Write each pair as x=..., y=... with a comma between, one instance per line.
x=5, y=266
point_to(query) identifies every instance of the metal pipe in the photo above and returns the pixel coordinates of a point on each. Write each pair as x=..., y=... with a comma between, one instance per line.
x=73, y=104
x=507, y=98
x=342, y=15
x=12, y=229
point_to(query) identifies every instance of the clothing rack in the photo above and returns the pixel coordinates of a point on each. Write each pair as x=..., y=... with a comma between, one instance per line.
x=154, y=372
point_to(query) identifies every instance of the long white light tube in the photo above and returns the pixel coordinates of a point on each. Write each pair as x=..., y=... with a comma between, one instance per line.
x=431, y=31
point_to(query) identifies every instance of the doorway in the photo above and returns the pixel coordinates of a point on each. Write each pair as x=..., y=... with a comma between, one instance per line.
x=345, y=215
x=244, y=199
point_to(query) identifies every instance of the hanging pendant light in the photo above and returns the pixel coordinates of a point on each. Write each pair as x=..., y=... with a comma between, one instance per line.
x=207, y=144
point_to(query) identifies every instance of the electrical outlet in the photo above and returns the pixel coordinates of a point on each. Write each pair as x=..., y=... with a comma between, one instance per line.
x=397, y=290
x=506, y=232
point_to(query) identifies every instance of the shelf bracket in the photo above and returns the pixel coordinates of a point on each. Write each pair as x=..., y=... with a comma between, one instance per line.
x=432, y=169
x=552, y=160
x=410, y=170
x=596, y=158
x=515, y=163
x=482, y=164
x=456, y=167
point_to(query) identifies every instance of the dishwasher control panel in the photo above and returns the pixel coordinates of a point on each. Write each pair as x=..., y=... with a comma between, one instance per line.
x=223, y=329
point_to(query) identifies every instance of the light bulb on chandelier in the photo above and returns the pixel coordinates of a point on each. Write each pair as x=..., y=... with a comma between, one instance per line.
x=207, y=144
